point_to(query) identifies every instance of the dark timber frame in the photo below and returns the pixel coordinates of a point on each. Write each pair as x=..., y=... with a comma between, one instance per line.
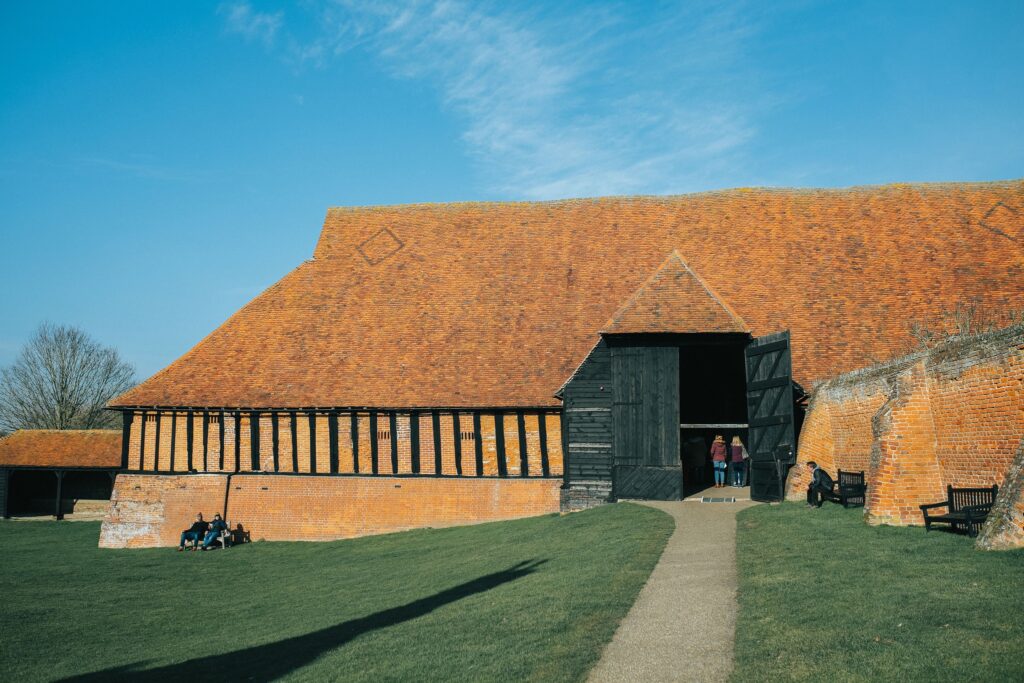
x=535, y=465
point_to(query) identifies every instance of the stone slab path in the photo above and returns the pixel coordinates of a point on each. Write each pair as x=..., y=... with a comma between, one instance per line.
x=682, y=626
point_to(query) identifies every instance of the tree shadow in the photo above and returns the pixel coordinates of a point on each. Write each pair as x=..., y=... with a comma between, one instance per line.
x=274, y=660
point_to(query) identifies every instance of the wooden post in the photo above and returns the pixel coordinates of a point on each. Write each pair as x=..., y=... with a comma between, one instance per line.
x=332, y=440
x=499, y=443
x=435, y=428
x=457, y=435
x=126, y=430
x=57, y=512
x=7, y=493
x=374, y=445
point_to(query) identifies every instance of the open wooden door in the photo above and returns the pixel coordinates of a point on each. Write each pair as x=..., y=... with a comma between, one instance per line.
x=771, y=433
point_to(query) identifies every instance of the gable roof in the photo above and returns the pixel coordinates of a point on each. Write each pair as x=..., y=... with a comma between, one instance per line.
x=674, y=300
x=62, y=448
x=495, y=304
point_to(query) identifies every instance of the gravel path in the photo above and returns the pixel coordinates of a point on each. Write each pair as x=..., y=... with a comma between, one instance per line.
x=682, y=625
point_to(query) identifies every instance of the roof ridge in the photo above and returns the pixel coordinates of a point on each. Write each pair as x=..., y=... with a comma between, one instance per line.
x=766, y=189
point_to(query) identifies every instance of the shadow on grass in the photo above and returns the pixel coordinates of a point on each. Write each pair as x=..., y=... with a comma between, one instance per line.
x=274, y=660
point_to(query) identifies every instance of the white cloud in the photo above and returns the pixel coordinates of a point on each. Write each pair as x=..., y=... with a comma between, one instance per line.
x=241, y=18
x=600, y=101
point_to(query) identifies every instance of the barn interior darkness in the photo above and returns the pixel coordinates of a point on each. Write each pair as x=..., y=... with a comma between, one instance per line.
x=712, y=391
x=34, y=492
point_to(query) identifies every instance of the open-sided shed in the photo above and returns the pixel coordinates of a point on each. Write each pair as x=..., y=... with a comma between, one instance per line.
x=45, y=471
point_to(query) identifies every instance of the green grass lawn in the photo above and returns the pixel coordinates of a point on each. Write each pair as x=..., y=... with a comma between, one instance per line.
x=823, y=596
x=533, y=599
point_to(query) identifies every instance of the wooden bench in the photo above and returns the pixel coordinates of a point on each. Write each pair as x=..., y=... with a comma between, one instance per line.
x=849, y=489
x=966, y=509
x=233, y=537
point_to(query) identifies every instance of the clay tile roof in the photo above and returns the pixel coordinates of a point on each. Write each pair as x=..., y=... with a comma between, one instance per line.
x=62, y=448
x=675, y=300
x=495, y=304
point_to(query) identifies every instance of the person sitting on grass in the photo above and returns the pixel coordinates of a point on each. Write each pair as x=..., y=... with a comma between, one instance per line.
x=821, y=483
x=217, y=529
x=194, y=533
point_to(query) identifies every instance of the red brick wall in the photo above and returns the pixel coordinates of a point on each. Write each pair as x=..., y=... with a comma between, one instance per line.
x=951, y=416
x=905, y=471
x=152, y=510
x=1006, y=526
x=148, y=510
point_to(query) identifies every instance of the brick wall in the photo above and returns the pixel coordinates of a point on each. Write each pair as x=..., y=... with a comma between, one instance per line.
x=148, y=510
x=951, y=415
x=1006, y=528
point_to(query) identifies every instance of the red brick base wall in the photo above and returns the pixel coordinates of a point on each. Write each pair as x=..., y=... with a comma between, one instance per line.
x=152, y=510
x=953, y=415
x=148, y=510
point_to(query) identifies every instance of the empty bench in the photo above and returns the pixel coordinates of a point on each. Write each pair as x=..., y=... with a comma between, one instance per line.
x=849, y=489
x=966, y=509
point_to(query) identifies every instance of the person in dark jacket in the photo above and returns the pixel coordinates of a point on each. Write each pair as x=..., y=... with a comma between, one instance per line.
x=718, y=452
x=194, y=533
x=217, y=529
x=821, y=483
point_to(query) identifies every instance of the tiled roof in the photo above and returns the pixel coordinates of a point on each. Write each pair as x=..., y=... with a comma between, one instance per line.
x=674, y=300
x=495, y=304
x=62, y=448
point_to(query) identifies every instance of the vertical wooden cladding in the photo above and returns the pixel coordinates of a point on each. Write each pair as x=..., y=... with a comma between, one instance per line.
x=521, y=443
x=645, y=408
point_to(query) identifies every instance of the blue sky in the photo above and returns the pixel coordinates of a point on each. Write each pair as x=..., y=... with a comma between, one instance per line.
x=163, y=162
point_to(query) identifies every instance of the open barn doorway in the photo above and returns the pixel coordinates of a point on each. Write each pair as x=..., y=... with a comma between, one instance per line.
x=712, y=402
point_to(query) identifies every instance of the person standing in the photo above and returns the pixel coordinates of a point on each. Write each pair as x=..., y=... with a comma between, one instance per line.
x=738, y=455
x=718, y=453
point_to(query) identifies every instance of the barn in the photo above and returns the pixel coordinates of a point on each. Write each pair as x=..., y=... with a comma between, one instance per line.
x=440, y=364
x=58, y=472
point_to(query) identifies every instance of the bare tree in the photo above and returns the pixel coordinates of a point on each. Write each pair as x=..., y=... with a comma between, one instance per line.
x=62, y=380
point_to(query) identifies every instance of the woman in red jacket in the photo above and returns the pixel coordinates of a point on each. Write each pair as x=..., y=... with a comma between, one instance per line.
x=718, y=452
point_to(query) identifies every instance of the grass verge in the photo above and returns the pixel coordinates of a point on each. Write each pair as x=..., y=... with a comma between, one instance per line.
x=532, y=599
x=823, y=596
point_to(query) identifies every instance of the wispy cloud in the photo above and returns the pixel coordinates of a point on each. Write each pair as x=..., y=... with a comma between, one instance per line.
x=598, y=101
x=143, y=166
x=241, y=18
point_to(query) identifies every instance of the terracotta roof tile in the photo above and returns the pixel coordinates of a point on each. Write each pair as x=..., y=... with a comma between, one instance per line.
x=495, y=304
x=62, y=448
x=674, y=300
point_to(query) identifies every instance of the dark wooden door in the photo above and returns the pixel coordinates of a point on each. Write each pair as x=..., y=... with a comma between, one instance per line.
x=645, y=422
x=771, y=434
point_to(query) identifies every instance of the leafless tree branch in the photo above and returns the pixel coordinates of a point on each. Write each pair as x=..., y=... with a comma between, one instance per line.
x=62, y=380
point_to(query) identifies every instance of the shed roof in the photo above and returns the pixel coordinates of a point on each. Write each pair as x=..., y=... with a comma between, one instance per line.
x=61, y=448
x=495, y=304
